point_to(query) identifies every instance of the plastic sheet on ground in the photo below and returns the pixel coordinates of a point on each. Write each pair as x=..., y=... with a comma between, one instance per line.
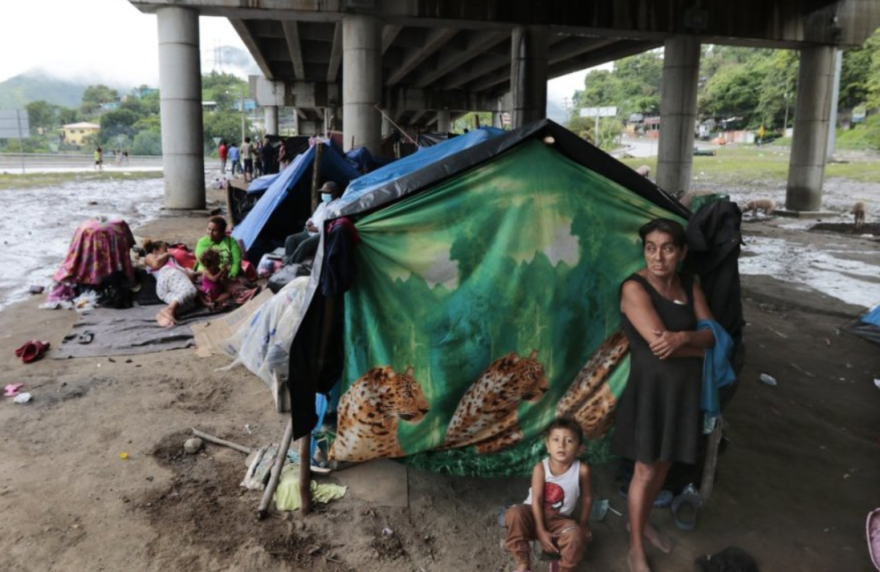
x=261, y=344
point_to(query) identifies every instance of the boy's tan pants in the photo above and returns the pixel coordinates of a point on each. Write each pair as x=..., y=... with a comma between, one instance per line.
x=521, y=531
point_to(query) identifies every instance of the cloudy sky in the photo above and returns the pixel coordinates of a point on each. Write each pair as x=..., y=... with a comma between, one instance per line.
x=111, y=41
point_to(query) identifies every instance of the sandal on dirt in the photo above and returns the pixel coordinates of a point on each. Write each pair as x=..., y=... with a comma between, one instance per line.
x=32, y=350
x=85, y=338
x=684, y=508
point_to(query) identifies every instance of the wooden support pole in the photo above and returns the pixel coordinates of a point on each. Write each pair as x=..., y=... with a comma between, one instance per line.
x=712, y=444
x=305, y=473
x=316, y=175
x=275, y=475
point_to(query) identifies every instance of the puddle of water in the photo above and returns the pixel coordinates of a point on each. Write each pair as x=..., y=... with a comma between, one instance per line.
x=37, y=225
x=814, y=268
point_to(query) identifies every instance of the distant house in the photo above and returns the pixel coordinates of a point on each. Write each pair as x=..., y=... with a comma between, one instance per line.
x=75, y=133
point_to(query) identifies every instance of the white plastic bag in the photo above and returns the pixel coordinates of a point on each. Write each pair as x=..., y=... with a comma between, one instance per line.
x=261, y=343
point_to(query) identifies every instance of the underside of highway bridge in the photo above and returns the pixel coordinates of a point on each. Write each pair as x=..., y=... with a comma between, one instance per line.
x=425, y=62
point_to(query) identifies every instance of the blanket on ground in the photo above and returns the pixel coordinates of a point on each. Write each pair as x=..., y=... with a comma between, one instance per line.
x=108, y=332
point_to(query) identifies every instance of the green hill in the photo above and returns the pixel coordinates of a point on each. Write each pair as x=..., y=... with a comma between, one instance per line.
x=18, y=91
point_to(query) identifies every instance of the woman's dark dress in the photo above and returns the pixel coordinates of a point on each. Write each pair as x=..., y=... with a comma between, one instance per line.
x=658, y=417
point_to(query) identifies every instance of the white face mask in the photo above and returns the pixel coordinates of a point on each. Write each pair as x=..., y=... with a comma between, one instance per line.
x=326, y=197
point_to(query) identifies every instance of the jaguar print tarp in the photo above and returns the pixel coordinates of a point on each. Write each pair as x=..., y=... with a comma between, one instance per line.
x=484, y=307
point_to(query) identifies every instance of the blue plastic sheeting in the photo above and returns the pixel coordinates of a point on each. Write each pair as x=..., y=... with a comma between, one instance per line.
x=262, y=183
x=418, y=160
x=872, y=317
x=334, y=167
x=364, y=161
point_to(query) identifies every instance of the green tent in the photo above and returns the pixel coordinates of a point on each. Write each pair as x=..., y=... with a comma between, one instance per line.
x=485, y=304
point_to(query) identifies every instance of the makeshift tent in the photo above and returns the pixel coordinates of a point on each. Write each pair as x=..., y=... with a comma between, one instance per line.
x=866, y=326
x=485, y=302
x=286, y=204
x=364, y=161
x=424, y=158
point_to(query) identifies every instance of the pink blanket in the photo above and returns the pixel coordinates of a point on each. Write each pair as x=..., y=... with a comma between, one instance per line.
x=97, y=250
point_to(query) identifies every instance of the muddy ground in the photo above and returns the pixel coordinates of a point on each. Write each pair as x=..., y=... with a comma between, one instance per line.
x=795, y=484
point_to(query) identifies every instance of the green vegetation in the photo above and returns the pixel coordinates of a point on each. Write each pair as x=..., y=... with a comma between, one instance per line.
x=131, y=121
x=744, y=88
x=767, y=165
x=28, y=181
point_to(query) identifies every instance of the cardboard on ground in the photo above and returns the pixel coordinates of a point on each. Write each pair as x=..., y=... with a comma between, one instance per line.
x=211, y=335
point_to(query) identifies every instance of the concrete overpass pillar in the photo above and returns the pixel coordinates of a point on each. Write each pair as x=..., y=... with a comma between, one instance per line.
x=496, y=119
x=806, y=167
x=528, y=74
x=180, y=106
x=387, y=128
x=444, y=121
x=361, y=82
x=678, y=111
x=270, y=118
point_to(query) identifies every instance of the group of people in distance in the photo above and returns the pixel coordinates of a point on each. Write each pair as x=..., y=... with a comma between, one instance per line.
x=658, y=420
x=251, y=159
x=210, y=283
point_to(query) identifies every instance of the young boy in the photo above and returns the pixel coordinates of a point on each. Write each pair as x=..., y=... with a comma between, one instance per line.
x=557, y=483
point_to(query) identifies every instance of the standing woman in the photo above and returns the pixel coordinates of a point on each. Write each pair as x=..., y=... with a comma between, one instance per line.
x=659, y=421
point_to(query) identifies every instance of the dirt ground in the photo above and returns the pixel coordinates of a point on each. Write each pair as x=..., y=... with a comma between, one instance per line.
x=794, y=488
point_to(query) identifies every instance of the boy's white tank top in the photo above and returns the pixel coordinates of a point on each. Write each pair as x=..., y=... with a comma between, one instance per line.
x=560, y=492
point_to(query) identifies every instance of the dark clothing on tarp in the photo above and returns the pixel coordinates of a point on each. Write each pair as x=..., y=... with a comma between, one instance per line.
x=340, y=266
x=714, y=242
x=310, y=372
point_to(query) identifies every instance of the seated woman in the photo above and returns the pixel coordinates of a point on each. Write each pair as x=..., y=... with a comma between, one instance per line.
x=226, y=246
x=174, y=284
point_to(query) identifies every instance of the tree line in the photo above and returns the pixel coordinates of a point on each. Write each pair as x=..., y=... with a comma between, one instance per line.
x=131, y=121
x=747, y=87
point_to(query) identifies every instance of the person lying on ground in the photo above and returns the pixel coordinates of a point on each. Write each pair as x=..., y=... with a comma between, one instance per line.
x=303, y=245
x=559, y=482
x=212, y=290
x=226, y=246
x=174, y=283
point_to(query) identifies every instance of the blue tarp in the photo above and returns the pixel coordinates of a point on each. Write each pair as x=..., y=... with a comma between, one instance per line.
x=364, y=161
x=262, y=183
x=422, y=158
x=334, y=167
x=872, y=317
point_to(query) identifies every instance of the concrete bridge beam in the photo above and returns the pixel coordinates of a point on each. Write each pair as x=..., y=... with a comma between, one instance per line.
x=528, y=73
x=180, y=105
x=809, y=144
x=678, y=110
x=361, y=82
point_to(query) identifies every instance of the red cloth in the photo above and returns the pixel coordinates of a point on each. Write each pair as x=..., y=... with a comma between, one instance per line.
x=183, y=255
x=98, y=249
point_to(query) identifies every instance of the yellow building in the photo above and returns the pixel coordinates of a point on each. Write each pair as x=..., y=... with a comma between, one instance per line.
x=75, y=133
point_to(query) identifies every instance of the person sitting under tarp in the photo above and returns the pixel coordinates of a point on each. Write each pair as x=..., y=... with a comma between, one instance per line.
x=303, y=245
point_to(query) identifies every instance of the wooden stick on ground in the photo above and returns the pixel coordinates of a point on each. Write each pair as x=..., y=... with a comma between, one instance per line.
x=276, y=471
x=219, y=441
x=708, y=481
